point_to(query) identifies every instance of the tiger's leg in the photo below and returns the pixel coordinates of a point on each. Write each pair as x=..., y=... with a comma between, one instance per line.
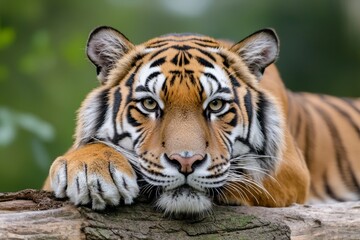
x=94, y=173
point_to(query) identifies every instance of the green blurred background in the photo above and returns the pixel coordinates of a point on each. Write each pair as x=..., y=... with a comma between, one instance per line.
x=44, y=72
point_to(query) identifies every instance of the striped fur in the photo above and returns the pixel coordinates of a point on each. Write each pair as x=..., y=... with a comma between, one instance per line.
x=202, y=121
x=327, y=130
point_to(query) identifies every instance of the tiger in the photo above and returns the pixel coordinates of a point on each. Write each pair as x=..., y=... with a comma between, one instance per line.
x=194, y=122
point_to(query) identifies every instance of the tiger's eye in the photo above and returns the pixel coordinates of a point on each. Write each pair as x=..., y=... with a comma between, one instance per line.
x=149, y=104
x=216, y=105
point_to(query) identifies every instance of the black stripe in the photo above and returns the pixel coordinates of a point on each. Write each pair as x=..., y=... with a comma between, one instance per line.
x=340, y=151
x=234, y=81
x=343, y=113
x=164, y=87
x=111, y=170
x=172, y=80
x=125, y=184
x=175, y=59
x=205, y=45
x=233, y=121
x=119, y=137
x=98, y=70
x=227, y=143
x=209, y=55
x=183, y=40
x=209, y=75
x=189, y=72
x=137, y=58
x=262, y=106
x=157, y=45
x=129, y=84
x=132, y=121
x=158, y=62
x=231, y=110
x=225, y=60
x=204, y=62
x=103, y=100
x=116, y=108
x=186, y=58
x=86, y=171
x=158, y=52
x=142, y=89
x=139, y=138
x=150, y=77
x=309, y=136
x=223, y=90
x=176, y=72
x=181, y=47
x=329, y=191
x=265, y=160
x=249, y=111
x=77, y=185
x=99, y=187
x=246, y=143
x=350, y=102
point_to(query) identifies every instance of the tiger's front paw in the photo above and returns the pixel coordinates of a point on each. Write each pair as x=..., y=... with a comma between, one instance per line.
x=95, y=174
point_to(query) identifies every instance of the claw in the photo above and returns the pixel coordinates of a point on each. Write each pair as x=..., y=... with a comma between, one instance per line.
x=86, y=177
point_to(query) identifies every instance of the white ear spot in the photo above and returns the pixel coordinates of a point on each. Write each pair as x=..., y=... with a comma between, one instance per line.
x=104, y=48
x=258, y=50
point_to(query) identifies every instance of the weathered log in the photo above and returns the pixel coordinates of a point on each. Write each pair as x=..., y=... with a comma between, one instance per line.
x=32, y=214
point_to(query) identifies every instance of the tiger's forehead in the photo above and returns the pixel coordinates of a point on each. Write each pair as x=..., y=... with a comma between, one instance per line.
x=178, y=67
x=193, y=40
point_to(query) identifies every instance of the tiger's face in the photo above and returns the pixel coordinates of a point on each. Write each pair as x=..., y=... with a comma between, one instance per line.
x=191, y=111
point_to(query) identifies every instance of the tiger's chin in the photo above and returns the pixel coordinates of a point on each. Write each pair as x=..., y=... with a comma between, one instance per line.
x=184, y=202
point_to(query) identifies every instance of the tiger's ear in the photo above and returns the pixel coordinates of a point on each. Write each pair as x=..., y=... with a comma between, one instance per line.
x=104, y=48
x=258, y=50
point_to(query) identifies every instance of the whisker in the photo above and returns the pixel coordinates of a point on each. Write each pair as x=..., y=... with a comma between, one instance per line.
x=242, y=162
x=232, y=190
x=147, y=189
x=221, y=195
x=244, y=179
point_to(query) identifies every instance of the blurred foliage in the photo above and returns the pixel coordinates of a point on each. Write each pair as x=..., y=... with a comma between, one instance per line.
x=44, y=70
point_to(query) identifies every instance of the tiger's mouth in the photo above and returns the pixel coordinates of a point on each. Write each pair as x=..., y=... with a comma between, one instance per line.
x=184, y=201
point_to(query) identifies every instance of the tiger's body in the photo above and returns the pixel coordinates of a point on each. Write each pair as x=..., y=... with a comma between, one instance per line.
x=327, y=131
x=198, y=121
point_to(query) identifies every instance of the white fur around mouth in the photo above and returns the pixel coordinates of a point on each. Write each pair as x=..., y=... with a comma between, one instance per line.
x=183, y=200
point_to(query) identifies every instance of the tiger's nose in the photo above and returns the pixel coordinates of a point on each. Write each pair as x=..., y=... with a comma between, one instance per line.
x=186, y=165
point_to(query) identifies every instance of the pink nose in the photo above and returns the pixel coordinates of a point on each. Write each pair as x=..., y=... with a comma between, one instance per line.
x=186, y=164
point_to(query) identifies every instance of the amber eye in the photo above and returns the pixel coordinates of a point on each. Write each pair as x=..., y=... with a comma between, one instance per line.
x=216, y=105
x=149, y=104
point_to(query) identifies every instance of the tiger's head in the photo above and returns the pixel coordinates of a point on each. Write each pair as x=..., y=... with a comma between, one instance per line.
x=190, y=109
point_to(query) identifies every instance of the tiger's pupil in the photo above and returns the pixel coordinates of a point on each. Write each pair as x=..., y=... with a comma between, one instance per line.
x=149, y=104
